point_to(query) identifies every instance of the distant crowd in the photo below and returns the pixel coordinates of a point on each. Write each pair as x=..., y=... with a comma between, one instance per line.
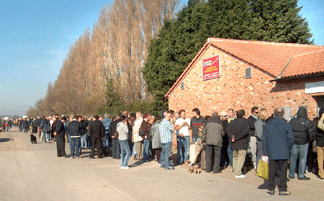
x=227, y=140
x=6, y=124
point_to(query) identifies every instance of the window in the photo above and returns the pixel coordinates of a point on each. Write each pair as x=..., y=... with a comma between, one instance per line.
x=182, y=85
x=248, y=72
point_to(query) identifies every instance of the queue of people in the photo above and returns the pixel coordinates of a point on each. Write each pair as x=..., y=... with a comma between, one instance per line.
x=229, y=140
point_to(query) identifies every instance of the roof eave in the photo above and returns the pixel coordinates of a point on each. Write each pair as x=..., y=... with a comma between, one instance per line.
x=187, y=69
x=294, y=77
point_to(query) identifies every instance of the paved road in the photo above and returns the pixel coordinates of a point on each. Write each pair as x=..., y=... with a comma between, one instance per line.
x=33, y=172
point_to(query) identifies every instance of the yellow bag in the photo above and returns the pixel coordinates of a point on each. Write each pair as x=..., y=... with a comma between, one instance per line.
x=263, y=170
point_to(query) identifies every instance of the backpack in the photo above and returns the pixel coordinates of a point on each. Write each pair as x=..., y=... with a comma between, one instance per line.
x=106, y=124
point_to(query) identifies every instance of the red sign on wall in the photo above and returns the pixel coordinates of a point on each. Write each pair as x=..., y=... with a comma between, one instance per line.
x=211, y=68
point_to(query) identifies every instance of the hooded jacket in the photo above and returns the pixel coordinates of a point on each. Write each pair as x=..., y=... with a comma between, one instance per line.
x=45, y=125
x=303, y=128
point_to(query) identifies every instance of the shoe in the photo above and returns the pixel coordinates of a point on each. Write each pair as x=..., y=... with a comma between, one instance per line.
x=77, y=157
x=217, y=172
x=169, y=168
x=122, y=167
x=284, y=193
x=240, y=177
x=271, y=192
x=304, y=178
x=91, y=157
x=126, y=167
x=291, y=177
x=66, y=156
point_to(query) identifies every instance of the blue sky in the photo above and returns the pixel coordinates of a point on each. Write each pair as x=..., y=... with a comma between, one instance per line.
x=35, y=37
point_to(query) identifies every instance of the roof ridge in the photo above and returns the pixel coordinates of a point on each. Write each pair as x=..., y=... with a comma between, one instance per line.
x=261, y=42
x=322, y=50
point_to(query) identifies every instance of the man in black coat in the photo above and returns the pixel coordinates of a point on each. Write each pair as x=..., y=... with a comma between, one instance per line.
x=224, y=155
x=97, y=133
x=239, y=132
x=252, y=143
x=304, y=132
x=60, y=136
x=277, y=141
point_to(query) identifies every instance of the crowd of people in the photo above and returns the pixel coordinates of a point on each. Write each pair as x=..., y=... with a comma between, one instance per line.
x=6, y=124
x=229, y=140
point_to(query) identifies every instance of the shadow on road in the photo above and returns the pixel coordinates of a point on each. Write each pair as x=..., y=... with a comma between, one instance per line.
x=5, y=139
x=138, y=163
x=266, y=183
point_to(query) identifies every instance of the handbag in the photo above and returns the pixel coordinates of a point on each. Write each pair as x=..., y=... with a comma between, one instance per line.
x=263, y=170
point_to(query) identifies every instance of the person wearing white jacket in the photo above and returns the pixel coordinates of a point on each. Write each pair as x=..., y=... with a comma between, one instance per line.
x=122, y=130
x=137, y=139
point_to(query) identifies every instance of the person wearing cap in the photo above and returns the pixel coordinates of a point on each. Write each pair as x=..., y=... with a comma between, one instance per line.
x=212, y=137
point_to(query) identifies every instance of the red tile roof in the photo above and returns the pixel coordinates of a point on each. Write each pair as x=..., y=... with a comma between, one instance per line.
x=305, y=64
x=273, y=57
x=280, y=60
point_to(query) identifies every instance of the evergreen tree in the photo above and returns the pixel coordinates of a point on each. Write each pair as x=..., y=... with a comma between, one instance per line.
x=281, y=21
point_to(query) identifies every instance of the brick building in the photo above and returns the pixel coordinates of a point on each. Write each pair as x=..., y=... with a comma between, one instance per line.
x=240, y=74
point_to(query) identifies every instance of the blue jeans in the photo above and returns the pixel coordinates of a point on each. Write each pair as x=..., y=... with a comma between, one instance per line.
x=146, y=151
x=105, y=141
x=230, y=153
x=75, y=146
x=165, y=154
x=47, y=135
x=125, y=152
x=301, y=151
x=69, y=137
x=84, y=141
x=134, y=151
x=183, y=149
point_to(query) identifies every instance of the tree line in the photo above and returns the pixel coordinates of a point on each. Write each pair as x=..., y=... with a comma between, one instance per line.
x=137, y=50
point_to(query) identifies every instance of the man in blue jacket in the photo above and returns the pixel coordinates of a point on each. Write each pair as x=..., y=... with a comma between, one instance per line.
x=278, y=139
